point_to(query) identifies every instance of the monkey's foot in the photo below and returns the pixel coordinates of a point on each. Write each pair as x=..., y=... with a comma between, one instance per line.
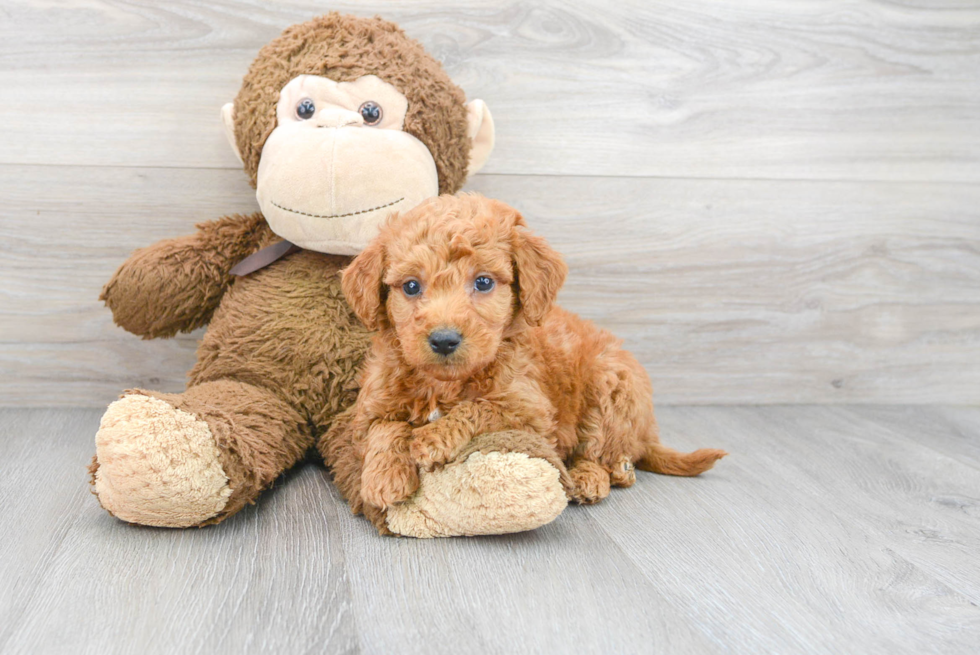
x=500, y=484
x=157, y=465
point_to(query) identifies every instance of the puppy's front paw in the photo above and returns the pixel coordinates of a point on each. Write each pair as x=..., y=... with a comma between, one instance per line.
x=433, y=444
x=591, y=483
x=383, y=486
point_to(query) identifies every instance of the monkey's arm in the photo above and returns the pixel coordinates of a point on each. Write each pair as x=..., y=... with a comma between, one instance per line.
x=175, y=285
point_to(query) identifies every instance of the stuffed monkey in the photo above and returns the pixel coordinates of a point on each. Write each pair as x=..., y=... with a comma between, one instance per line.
x=339, y=122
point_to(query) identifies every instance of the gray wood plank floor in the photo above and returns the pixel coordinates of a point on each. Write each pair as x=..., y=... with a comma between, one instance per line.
x=828, y=530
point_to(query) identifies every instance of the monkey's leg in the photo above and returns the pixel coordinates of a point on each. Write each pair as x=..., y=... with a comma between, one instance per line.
x=195, y=458
x=501, y=482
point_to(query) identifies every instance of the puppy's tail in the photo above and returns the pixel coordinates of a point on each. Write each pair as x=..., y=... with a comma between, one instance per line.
x=661, y=459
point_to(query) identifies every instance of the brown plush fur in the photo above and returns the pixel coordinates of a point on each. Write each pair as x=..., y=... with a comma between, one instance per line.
x=278, y=362
x=345, y=48
x=175, y=285
x=280, y=357
x=523, y=363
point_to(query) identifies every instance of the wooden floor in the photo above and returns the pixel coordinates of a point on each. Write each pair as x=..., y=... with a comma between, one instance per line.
x=828, y=530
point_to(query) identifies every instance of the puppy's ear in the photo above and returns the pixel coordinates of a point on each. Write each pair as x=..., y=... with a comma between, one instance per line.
x=363, y=285
x=540, y=274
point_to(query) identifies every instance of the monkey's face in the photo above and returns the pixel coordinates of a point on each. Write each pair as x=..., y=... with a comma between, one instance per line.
x=332, y=158
x=338, y=162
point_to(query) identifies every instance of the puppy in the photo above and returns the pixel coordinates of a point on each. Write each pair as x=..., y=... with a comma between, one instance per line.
x=470, y=341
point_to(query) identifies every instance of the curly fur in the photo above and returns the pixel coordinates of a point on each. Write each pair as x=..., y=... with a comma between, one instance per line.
x=344, y=48
x=523, y=363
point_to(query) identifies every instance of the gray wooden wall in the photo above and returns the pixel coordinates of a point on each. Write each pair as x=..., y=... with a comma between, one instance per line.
x=770, y=201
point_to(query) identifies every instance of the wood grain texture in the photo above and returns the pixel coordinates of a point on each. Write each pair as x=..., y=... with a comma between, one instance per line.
x=949, y=431
x=769, y=202
x=828, y=530
x=805, y=90
x=805, y=485
x=727, y=290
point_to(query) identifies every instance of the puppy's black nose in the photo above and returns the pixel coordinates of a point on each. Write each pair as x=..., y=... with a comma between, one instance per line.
x=444, y=342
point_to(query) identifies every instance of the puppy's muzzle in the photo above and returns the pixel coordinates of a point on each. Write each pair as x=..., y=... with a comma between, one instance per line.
x=445, y=342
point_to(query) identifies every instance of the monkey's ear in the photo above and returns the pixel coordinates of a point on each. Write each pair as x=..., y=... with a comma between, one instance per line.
x=481, y=134
x=228, y=120
x=540, y=274
x=363, y=285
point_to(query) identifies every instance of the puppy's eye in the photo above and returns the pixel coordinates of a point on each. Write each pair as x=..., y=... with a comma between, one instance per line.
x=305, y=109
x=371, y=112
x=483, y=283
x=412, y=288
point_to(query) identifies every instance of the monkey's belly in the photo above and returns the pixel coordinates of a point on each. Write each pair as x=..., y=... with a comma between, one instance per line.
x=288, y=328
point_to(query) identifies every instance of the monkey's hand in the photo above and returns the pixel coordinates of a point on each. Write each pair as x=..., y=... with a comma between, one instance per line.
x=175, y=285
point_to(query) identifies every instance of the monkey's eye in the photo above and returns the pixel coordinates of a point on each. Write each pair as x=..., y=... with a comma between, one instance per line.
x=305, y=109
x=412, y=288
x=483, y=283
x=371, y=112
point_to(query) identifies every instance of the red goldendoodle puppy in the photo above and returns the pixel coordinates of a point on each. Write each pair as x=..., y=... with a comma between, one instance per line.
x=471, y=342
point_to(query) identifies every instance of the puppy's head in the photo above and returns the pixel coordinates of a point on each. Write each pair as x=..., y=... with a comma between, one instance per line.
x=452, y=278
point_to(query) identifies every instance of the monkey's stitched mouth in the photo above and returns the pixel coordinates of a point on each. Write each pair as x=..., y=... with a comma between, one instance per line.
x=361, y=211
